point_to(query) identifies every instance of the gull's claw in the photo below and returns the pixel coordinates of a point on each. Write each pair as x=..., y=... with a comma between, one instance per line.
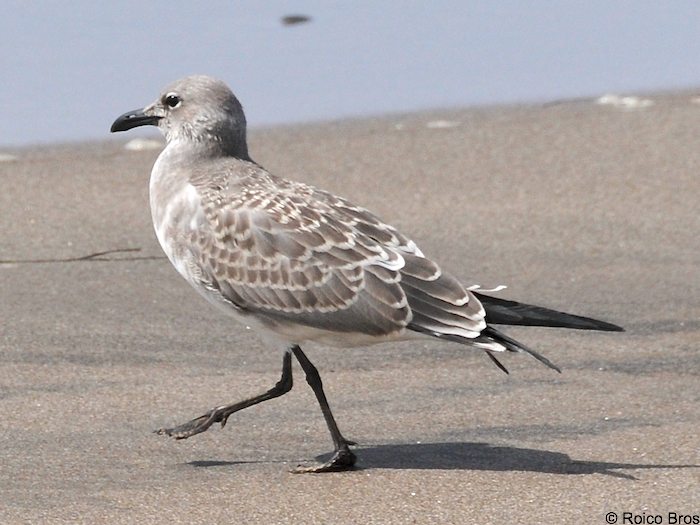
x=194, y=427
x=342, y=459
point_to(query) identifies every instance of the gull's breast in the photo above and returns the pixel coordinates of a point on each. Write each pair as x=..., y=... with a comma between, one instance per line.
x=177, y=212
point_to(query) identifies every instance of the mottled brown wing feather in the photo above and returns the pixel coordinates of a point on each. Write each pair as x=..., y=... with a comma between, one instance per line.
x=300, y=254
x=306, y=256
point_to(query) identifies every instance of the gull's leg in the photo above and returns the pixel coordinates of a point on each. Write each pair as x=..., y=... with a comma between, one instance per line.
x=221, y=414
x=343, y=458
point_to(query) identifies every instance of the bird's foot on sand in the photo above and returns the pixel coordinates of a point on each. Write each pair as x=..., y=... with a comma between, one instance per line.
x=197, y=425
x=342, y=459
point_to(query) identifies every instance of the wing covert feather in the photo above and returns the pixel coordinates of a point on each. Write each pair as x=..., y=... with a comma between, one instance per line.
x=298, y=254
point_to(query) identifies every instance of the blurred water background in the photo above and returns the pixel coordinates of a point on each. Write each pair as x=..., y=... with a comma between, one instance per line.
x=69, y=68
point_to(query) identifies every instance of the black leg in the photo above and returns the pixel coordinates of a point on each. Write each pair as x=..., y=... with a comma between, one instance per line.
x=221, y=414
x=343, y=458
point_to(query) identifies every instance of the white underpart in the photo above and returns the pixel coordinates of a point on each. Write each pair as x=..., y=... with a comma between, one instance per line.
x=188, y=200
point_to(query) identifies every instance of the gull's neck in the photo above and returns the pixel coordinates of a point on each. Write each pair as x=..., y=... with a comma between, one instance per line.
x=209, y=140
x=207, y=148
x=174, y=167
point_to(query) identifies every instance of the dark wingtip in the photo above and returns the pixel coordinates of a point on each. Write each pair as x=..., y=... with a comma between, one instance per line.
x=507, y=312
x=609, y=327
x=589, y=323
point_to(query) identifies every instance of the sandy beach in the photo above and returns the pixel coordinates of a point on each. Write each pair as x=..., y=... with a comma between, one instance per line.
x=577, y=206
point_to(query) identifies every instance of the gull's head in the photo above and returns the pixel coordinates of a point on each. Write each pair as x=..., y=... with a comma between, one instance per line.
x=196, y=110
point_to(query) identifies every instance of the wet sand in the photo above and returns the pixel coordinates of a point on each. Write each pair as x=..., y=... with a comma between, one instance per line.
x=580, y=207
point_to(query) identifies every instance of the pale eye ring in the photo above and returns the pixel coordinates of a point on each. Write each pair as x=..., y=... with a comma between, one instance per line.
x=172, y=100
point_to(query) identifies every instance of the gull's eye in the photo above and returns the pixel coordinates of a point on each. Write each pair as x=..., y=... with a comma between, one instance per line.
x=172, y=100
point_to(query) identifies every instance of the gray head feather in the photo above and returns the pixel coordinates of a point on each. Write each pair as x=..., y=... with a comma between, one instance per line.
x=202, y=111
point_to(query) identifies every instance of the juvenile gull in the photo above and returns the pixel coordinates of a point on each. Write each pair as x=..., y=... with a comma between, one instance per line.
x=298, y=263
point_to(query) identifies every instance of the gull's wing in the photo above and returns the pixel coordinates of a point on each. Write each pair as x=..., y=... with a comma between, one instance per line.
x=295, y=253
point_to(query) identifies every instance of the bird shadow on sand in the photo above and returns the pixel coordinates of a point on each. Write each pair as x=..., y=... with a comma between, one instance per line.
x=483, y=456
x=478, y=456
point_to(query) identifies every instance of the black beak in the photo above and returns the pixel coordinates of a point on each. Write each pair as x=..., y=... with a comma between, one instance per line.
x=132, y=119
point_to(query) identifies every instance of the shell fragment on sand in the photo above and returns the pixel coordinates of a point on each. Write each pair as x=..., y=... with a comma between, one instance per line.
x=143, y=145
x=622, y=102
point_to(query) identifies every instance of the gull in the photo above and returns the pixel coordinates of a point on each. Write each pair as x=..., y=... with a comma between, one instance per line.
x=297, y=263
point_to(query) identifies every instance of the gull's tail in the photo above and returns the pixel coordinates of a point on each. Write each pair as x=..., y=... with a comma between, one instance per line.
x=491, y=334
x=441, y=307
x=490, y=340
x=502, y=311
